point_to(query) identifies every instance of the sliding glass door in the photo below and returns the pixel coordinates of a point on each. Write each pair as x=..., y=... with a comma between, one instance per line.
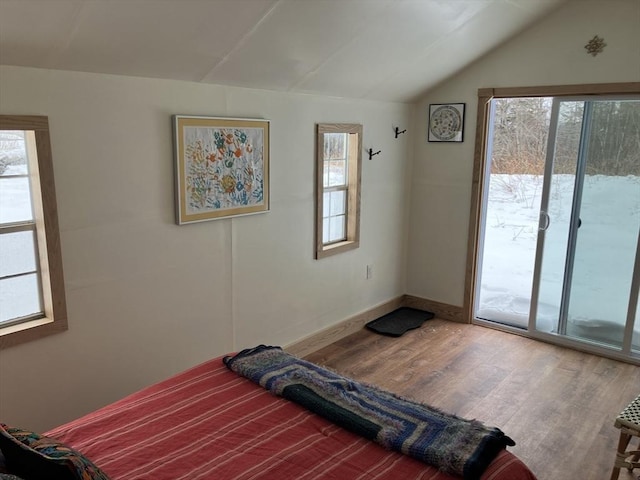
x=607, y=238
x=515, y=164
x=583, y=284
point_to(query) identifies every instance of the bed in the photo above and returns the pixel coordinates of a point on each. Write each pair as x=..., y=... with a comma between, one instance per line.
x=210, y=423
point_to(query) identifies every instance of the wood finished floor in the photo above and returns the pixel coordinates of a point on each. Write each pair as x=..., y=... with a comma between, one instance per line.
x=559, y=405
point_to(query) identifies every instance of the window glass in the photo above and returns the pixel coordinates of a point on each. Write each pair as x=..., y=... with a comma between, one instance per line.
x=17, y=253
x=325, y=230
x=337, y=175
x=19, y=297
x=335, y=159
x=326, y=204
x=336, y=228
x=15, y=196
x=335, y=146
x=338, y=202
x=20, y=289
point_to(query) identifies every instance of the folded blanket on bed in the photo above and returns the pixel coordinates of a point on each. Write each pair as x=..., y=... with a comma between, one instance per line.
x=455, y=445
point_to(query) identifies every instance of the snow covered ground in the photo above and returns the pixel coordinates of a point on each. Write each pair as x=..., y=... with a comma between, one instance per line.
x=605, y=253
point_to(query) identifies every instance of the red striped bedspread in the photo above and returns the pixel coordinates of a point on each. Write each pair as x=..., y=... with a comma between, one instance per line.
x=208, y=423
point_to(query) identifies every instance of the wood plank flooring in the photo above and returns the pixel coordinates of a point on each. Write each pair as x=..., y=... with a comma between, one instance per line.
x=559, y=405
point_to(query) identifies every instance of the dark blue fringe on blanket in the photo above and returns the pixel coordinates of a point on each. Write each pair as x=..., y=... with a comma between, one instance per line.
x=452, y=444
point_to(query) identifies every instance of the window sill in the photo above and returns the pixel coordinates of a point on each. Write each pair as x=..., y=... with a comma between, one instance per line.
x=328, y=250
x=31, y=330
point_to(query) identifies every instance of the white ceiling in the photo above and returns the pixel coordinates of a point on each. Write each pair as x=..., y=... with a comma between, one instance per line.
x=374, y=49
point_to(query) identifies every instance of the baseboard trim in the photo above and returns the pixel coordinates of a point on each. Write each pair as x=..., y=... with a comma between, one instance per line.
x=441, y=310
x=332, y=334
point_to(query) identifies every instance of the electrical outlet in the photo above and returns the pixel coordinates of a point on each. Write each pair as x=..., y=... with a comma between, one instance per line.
x=369, y=272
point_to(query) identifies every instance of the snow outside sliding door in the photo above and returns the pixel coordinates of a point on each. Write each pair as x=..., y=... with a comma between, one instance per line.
x=587, y=266
x=515, y=160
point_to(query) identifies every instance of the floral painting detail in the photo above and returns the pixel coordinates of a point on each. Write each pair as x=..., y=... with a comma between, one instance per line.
x=222, y=167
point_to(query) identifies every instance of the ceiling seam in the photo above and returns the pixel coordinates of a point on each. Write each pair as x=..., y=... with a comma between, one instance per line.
x=65, y=42
x=315, y=69
x=242, y=41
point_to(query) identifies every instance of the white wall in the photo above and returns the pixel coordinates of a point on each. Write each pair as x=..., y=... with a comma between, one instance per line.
x=147, y=298
x=550, y=53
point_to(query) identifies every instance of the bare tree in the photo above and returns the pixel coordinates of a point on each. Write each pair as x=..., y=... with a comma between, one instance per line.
x=521, y=128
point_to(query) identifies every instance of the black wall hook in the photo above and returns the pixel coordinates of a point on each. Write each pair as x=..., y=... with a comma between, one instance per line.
x=372, y=153
x=399, y=132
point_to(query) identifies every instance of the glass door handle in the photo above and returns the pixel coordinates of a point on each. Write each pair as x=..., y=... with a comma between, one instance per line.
x=545, y=221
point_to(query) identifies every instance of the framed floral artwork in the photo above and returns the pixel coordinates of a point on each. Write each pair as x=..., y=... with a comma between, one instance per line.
x=221, y=167
x=446, y=122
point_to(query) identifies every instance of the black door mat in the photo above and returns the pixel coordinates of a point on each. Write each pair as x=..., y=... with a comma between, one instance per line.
x=399, y=321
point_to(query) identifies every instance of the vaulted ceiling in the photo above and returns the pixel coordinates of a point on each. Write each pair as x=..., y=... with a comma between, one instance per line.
x=391, y=50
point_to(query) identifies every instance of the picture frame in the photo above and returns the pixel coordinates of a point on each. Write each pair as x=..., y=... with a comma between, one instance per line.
x=446, y=122
x=221, y=167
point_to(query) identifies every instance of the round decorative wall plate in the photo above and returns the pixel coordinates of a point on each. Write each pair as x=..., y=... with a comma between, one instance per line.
x=446, y=122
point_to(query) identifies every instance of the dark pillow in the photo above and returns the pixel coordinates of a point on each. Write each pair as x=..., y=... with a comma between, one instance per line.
x=36, y=457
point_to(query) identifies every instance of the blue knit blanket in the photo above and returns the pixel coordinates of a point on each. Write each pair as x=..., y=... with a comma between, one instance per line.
x=454, y=445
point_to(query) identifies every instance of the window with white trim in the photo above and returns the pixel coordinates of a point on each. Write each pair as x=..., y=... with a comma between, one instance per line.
x=338, y=161
x=32, y=297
